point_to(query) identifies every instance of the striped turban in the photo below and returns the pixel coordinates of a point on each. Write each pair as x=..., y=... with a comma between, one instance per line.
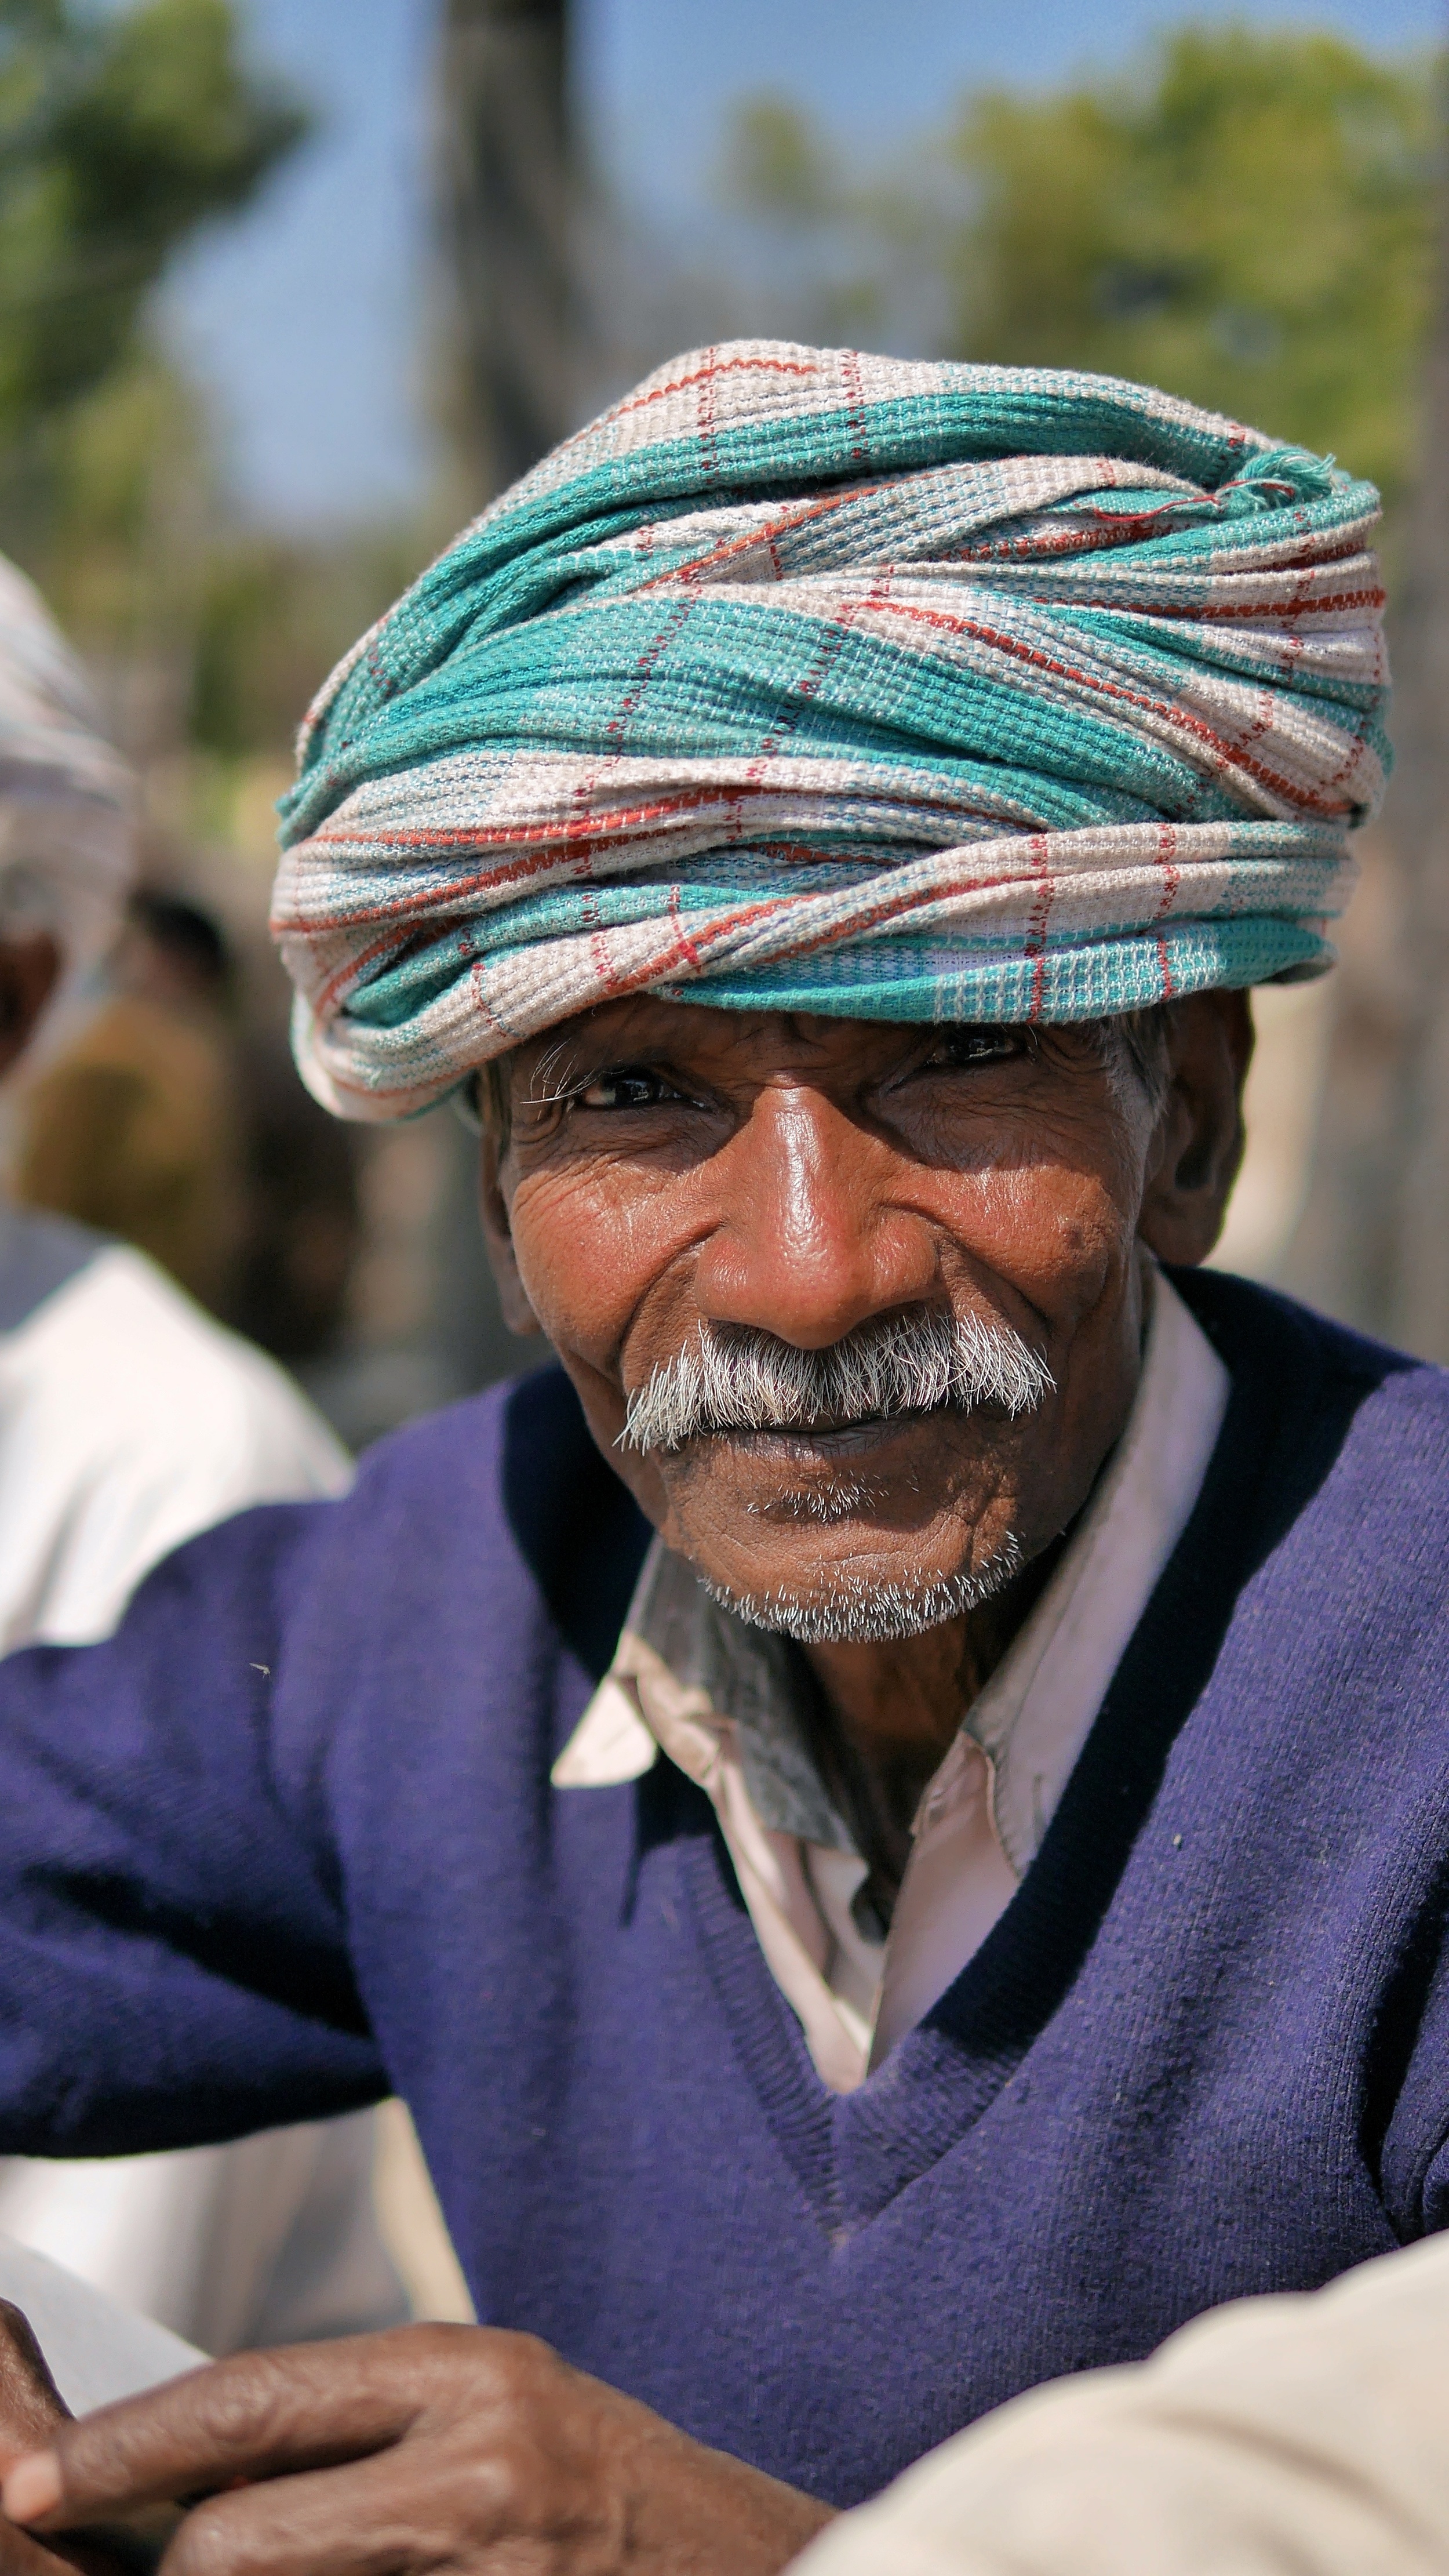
x=809, y=681
x=67, y=829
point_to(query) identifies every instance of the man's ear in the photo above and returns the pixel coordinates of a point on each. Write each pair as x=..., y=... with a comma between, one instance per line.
x=1198, y=1143
x=29, y=973
x=518, y=1315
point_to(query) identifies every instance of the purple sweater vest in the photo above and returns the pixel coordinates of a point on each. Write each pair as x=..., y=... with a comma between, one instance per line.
x=290, y=1840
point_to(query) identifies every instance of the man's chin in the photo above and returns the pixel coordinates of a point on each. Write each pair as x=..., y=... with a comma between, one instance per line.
x=878, y=1532
x=856, y=1607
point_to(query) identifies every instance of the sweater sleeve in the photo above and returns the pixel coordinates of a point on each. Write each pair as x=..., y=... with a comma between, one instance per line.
x=173, y=1956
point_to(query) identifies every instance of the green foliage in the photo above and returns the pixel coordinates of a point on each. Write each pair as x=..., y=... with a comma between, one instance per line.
x=1253, y=229
x=274, y=615
x=776, y=164
x=122, y=132
x=119, y=135
x=1249, y=223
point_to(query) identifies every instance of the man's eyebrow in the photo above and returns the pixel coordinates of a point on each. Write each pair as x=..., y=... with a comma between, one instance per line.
x=553, y=1077
x=568, y=1067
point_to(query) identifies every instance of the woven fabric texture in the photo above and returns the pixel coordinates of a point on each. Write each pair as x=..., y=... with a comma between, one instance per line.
x=815, y=681
x=66, y=798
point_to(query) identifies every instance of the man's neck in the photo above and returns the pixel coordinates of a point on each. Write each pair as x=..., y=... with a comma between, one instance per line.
x=887, y=1714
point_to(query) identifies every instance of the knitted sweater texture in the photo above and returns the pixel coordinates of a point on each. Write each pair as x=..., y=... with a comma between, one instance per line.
x=290, y=1840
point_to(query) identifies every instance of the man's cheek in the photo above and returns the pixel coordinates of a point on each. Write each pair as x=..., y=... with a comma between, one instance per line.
x=572, y=1247
x=1049, y=1231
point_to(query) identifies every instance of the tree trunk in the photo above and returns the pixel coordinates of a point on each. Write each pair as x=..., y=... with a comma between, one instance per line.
x=514, y=355
x=506, y=187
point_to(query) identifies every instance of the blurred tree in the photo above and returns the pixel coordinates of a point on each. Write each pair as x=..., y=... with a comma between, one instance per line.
x=273, y=613
x=1252, y=228
x=507, y=187
x=778, y=164
x=1374, y=1243
x=119, y=135
x=1248, y=222
x=513, y=365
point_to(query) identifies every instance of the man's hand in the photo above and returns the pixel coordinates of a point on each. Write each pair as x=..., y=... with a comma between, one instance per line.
x=32, y=2413
x=454, y=2450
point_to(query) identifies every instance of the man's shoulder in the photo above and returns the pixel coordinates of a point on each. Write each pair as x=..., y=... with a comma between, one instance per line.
x=1367, y=1412
x=1256, y=1328
x=514, y=1474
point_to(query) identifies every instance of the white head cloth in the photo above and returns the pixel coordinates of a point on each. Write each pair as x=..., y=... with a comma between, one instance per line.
x=67, y=799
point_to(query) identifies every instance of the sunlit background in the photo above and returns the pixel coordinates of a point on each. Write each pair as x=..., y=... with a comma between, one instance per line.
x=288, y=288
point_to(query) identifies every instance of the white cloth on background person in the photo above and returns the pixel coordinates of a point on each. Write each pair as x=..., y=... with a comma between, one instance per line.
x=129, y=1421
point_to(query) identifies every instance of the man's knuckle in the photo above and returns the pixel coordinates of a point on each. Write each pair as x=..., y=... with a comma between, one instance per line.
x=433, y=2345
x=202, y=2545
x=521, y=2368
x=495, y=2484
x=241, y=2410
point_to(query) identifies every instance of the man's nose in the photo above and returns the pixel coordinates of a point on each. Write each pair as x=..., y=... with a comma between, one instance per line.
x=807, y=1243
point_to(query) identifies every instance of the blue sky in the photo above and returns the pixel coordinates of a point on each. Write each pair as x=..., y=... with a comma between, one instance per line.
x=304, y=319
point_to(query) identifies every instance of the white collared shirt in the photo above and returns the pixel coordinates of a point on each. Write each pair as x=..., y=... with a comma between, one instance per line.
x=690, y=1679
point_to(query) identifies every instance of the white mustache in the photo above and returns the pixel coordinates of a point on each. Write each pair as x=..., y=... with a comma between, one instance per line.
x=735, y=1378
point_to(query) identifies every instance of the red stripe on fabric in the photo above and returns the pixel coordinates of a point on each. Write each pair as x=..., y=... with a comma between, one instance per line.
x=855, y=415
x=704, y=421
x=1225, y=750
x=646, y=666
x=728, y=367
x=765, y=537
x=681, y=934
x=1171, y=872
x=1036, y=935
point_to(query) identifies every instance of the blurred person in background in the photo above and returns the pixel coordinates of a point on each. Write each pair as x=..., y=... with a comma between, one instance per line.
x=128, y=1421
x=136, y=1128
x=175, y=1120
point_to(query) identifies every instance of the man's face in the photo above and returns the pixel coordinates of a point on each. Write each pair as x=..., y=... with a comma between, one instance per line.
x=675, y=1171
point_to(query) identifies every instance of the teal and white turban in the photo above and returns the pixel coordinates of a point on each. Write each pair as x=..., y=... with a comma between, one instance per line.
x=817, y=682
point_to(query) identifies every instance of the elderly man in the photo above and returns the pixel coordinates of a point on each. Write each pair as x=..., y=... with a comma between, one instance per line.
x=128, y=1421
x=965, y=1894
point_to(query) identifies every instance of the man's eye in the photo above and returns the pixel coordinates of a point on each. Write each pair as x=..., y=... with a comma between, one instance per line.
x=957, y=1047
x=625, y=1086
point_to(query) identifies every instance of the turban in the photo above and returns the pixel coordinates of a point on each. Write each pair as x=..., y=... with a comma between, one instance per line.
x=810, y=681
x=66, y=798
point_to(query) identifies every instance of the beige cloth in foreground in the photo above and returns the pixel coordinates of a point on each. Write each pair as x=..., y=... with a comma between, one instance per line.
x=1301, y=2436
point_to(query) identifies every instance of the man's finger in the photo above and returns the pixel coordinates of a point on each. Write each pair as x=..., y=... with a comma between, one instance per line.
x=371, y=2518
x=22, y=2556
x=253, y=2416
x=31, y=2405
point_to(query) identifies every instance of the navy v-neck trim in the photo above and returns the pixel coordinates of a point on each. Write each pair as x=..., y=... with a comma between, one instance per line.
x=852, y=2154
